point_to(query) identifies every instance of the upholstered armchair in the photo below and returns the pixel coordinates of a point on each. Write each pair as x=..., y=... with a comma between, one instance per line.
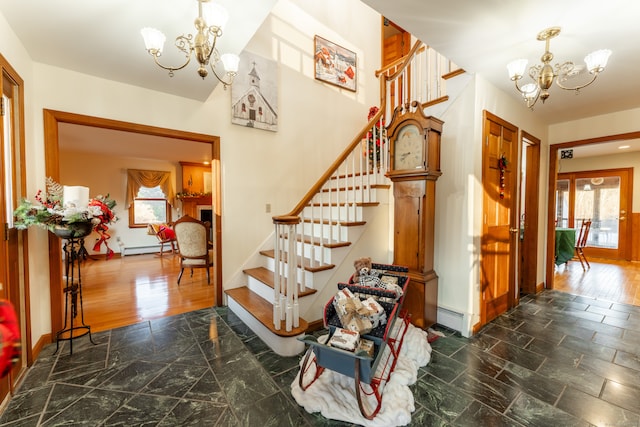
x=193, y=245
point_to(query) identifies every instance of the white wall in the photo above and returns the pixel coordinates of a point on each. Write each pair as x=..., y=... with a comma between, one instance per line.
x=258, y=167
x=459, y=193
x=108, y=175
x=593, y=127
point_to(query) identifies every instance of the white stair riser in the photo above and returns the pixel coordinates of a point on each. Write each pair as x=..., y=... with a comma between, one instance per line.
x=270, y=265
x=289, y=346
x=267, y=293
x=335, y=213
x=341, y=197
x=335, y=233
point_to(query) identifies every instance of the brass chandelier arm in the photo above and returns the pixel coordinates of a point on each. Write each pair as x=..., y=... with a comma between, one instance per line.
x=220, y=79
x=183, y=43
x=577, y=88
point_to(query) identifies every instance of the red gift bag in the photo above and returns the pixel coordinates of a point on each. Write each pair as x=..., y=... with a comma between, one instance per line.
x=9, y=337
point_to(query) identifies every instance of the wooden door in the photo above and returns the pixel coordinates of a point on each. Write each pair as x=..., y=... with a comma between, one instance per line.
x=396, y=43
x=500, y=229
x=12, y=246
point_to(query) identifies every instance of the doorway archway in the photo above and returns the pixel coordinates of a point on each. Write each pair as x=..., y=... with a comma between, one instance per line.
x=52, y=119
x=553, y=173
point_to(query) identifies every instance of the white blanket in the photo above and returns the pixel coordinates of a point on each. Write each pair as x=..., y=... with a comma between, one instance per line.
x=334, y=394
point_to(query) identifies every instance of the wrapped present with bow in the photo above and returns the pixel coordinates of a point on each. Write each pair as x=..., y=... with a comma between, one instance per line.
x=357, y=315
x=374, y=312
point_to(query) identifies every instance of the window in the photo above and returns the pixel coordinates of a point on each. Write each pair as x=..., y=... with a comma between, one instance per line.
x=149, y=206
x=149, y=197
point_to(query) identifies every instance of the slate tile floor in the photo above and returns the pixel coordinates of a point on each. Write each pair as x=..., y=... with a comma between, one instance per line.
x=555, y=360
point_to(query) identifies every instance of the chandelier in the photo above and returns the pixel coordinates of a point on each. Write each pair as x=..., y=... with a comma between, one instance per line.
x=544, y=74
x=209, y=23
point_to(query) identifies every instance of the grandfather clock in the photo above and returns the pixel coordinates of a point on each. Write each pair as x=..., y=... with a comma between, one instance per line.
x=414, y=169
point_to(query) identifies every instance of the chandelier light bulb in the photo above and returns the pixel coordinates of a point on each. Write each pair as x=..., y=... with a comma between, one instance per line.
x=529, y=91
x=230, y=62
x=516, y=68
x=153, y=39
x=214, y=15
x=596, y=61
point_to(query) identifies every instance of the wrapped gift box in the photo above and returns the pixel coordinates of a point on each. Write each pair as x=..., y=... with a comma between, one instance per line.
x=345, y=339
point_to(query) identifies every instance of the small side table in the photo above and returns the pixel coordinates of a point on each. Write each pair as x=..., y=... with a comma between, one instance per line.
x=72, y=248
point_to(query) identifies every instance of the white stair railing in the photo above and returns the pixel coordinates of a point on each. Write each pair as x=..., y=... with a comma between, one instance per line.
x=332, y=202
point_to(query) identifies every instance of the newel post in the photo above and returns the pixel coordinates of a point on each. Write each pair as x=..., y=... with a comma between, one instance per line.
x=285, y=301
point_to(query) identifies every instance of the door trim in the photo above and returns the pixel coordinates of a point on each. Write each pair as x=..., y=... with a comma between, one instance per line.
x=551, y=199
x=529, y=244
x=52, y=169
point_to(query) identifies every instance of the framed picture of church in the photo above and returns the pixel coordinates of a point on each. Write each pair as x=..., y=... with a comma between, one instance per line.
x=254, y=93
x=334, y=64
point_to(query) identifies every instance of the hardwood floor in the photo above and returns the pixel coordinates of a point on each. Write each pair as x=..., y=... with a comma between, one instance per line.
x=124, y=291
x=610, y=280
x=128, y=290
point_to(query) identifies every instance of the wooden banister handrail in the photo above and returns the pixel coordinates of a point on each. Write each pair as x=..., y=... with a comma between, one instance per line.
x=405, y=60
x=329, y=172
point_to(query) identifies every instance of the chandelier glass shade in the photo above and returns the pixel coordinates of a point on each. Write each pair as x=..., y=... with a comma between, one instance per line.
x=209, y=24
x=543, y=75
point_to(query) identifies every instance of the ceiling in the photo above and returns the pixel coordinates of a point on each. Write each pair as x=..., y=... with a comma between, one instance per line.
x=107, y=142
x=101, y=38
x=484, y=36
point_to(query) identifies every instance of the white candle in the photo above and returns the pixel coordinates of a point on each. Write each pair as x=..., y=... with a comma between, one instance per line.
x=76, y=195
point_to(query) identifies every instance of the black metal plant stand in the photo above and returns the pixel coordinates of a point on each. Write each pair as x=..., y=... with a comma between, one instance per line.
x=73, y=294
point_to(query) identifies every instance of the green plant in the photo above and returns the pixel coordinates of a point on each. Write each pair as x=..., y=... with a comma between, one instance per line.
x=48, y=211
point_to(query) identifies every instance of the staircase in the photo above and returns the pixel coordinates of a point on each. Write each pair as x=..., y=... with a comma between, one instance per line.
x=314, y=239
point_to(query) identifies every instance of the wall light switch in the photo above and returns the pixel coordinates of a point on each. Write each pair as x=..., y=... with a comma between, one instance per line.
x=268, y=208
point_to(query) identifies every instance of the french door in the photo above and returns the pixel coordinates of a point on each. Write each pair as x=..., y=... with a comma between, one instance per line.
x=604, y=197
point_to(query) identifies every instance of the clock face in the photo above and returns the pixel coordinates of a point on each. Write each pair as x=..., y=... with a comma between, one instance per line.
x=408, y=148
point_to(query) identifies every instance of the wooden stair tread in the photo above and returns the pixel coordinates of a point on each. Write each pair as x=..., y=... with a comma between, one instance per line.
x=357, y=187
x=326, y=205
x=307, y=264
x=263, y=311
x=266, y=276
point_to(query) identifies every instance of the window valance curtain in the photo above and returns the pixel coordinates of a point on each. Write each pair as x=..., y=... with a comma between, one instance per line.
x=137, y=178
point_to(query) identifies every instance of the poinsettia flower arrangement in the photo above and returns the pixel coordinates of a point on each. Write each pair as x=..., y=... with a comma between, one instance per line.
x=50, y=211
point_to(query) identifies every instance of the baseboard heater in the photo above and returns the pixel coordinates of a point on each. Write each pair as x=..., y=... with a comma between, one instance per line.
x=451, y=319
x=139, y=250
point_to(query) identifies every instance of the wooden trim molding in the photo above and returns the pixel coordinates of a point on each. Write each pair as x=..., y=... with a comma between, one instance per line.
x=551, y=194
x=51, y=119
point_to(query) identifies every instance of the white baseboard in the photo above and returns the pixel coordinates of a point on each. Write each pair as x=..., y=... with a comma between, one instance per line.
x=139, y=250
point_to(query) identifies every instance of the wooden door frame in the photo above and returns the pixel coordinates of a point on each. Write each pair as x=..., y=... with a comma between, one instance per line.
x=532, y=197
x=52, y=169
x=19, y=169
x=551, y=195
